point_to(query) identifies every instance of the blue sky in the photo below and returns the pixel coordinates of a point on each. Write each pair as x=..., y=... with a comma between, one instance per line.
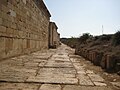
x=74, y=17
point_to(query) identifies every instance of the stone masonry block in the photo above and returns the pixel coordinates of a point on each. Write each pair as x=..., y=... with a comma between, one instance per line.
x=2, y=47
x=4, y=8
x=0, y=21
x=2, y=29
x=10, y=32
x=5, y=23
x=28, y=27
x=8, y=44
x=2, y=44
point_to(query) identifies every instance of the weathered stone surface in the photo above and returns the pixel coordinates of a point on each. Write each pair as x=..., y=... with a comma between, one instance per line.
x=95, y=78
x=74, y=56
x=53, y=80
x=64, y=56
x=78, y=66
x=30, y=72
x=59, y=64
x=39, y=60
x=0, y=21
x=24, y=26
x=79, y=72
x=18, y=86
x=84, y=80
x=50, y=87
x=100, y=84
x=75, y=87
x=75, y=60
x=89, y=72
x=45, y=57
x=24, y=1
x=116, y=84
x=54, y=71
x=55, y=75
x=31, y=64
x=54, y=36
x=12, y=13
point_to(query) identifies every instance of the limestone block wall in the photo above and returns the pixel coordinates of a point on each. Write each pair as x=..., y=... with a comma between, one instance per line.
x=23, y=27
x=54, y=36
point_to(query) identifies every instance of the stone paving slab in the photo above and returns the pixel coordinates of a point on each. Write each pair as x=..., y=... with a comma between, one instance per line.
x=57, y=71
x=42, y=57
x=96, y=78
x=60, y=64
x=12, y=75
x=39, y=60
x=59, y=59
x=75, y=56
x=10, y=78
x=52, y=80
x=79, y=72
x=99, y=84
x=18, y=86
x=89, y=72
x=116, y=85
x=49, y=70
x=31, y=64
x=11, y=62
x=84, y=80
x=76, y=87
x=78, y=67
x=50, y=87
x=75, y=60
x=60, y=56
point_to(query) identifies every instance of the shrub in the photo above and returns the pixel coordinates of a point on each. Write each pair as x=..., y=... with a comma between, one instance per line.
x=70, y=41
x=116, y=39
x=84, y=37
x=105, y=37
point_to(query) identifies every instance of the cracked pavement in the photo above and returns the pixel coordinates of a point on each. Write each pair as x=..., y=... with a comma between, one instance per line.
x=54, y=69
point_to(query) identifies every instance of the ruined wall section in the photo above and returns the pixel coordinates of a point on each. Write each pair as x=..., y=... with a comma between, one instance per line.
x=54, y=36
x=23, y=27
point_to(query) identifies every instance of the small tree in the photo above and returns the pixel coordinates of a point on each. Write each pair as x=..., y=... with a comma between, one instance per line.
x=84, y=37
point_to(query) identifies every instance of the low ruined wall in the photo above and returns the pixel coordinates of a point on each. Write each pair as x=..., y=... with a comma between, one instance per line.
x=23, y=27
x=107, y=61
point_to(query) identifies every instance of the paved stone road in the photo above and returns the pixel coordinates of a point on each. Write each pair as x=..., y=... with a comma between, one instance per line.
x=56, y=69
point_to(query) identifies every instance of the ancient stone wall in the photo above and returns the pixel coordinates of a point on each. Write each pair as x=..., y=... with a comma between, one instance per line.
x=23, y=27
x=54, y=36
